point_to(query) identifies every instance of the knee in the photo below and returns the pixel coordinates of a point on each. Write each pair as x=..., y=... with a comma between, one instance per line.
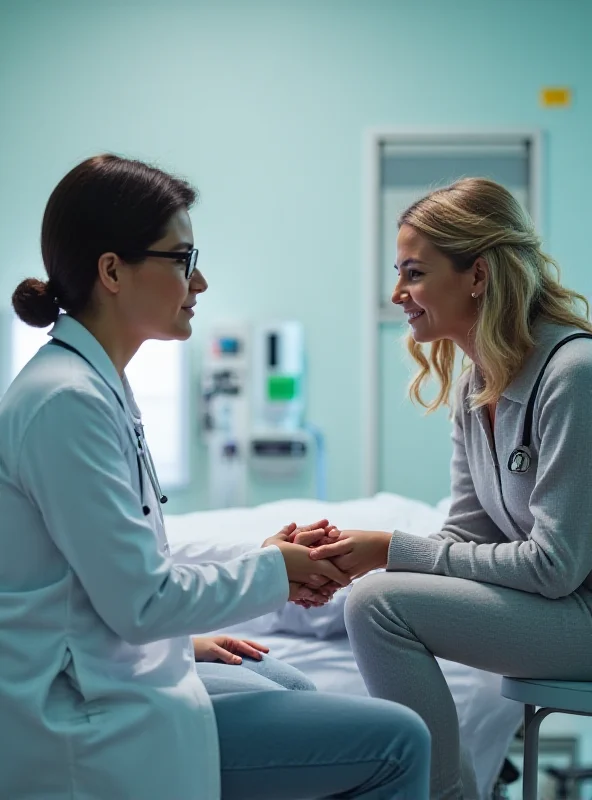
x=379, y=608
x=386, y=600
x=411, y=745
x=297, y=681
x=285, y=675
x=417, y=752
x=304, y=684
x=408, y=736
x=419, y=734
x=362, y=602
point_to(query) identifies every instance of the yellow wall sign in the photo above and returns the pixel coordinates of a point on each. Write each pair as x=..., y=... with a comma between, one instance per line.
x=555, y=97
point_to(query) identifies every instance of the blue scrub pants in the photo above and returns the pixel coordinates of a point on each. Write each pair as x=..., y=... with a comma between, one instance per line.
x=280, y=745
x=305, y=745
x=252, y=676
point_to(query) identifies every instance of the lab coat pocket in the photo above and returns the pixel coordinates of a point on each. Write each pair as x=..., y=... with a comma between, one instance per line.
x=66, y=701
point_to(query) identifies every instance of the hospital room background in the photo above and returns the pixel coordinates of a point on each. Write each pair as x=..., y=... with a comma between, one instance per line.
x=306, y=127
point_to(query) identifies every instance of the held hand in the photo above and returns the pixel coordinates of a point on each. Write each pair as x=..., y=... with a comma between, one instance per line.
x=355, y=552
x=289, y=532
x=315, y=528
x=314, y=534
x=301, y=569
x=308, y=587
x=298, y=564
x=282, y=536
x=311, y=597
x=226, y=649
x=315, y=537
x=317, y=533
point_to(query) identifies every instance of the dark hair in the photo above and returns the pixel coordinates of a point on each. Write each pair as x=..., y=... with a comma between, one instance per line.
x=105, y=204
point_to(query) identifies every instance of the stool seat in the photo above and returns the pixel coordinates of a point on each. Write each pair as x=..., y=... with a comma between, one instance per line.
x=575, y=696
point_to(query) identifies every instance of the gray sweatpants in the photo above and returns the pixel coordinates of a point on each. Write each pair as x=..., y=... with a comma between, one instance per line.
x=399, y=621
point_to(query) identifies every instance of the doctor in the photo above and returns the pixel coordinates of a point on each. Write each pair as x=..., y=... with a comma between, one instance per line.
x=99, y=695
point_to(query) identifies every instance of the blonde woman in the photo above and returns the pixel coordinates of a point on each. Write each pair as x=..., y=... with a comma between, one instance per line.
x=506, y=585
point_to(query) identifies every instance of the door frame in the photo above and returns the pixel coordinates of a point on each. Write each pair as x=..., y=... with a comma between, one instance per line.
x=372, y=315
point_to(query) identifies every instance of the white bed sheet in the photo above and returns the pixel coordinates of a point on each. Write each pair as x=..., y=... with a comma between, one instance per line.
x=488, y=721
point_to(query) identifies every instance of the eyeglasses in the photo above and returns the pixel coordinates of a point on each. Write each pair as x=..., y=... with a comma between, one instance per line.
x=188, y=256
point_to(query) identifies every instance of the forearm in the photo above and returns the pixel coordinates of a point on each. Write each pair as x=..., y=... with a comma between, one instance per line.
x=471, y=526
x=525, y=566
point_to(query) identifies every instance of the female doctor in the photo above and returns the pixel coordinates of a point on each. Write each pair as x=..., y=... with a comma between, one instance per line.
x=506, y=585
x=99, y=695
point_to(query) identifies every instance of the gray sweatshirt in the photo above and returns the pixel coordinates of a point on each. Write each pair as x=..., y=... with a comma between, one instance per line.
x=530, y=531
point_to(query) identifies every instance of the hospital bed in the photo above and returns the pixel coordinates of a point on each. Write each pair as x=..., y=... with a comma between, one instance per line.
x=315, y=640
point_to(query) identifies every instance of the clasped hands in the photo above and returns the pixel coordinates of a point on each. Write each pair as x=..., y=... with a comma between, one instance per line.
x=320, y=559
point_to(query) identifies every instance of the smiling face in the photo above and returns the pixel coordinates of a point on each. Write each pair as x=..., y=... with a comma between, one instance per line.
x=158, y=298
x=435, y=296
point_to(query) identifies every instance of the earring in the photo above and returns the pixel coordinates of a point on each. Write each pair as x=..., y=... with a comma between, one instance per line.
x=474, y=295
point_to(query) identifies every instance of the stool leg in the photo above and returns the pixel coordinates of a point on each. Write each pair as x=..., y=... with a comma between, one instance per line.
x=531, y=754
x=532, y=723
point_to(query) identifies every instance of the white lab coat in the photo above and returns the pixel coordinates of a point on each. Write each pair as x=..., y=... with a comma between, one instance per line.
x=99, y=698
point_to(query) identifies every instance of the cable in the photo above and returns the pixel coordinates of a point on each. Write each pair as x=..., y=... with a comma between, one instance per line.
x=321, y=460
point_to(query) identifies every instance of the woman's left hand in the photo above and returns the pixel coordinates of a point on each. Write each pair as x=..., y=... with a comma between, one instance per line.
x=226, y=649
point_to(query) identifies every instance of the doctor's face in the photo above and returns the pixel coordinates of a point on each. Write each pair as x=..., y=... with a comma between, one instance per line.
x=434, y=295
x=160, y=299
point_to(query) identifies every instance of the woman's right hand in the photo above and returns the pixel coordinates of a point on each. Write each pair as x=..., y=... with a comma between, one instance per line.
x=355, y=552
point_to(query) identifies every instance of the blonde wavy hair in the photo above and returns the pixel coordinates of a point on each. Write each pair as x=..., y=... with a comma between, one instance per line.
x=477, y=217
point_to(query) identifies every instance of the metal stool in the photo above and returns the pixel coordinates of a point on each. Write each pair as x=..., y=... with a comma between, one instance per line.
x=567, y=697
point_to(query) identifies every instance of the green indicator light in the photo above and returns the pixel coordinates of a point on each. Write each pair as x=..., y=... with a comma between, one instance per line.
x=282, y=387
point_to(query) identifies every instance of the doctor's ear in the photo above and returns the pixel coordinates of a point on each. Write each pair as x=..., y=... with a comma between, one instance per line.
x=109, y=265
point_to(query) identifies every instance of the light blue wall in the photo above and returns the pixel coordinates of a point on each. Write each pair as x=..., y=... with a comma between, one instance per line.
x=263, y=105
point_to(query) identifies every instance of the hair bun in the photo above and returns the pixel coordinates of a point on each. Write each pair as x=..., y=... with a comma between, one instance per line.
x=34, y=302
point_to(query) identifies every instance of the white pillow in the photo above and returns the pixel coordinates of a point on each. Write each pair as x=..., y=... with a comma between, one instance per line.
x=224, y=534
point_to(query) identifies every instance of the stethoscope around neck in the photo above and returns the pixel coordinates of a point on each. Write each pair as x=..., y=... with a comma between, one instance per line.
x=143, y=456
x=521, y=457
x=137, y=433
